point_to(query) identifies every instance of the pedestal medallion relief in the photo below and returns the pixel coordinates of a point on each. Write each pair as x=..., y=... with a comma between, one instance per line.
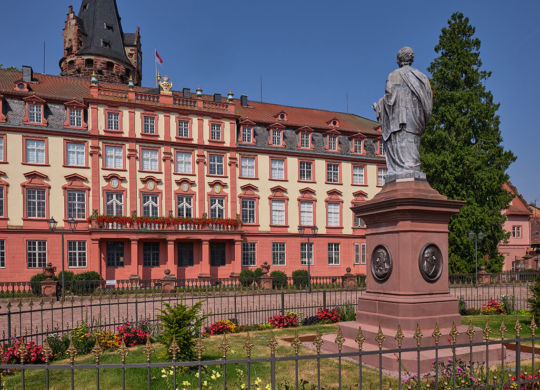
x=381, y=263
x=430, y=263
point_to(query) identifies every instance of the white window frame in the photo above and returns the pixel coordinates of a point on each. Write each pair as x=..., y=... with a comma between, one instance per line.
x=516, y=231
x=150, y=205
x=333, y=215
x=359, y=175
x=248, y=211
x=183, y=129
x=333, y=253
x=217, y=207
x=303, y=172
x=35, y=113
x=305, y=140
x=76, y=254
x=277, y=137
x=278, y=212
x=356, y=253
x=113, y=121
x=216, y=164
x=36, y=253
x=184, y=206
x=149, y=160
x=35, y=151
x=184, y=162
x=36, y=199
x=306, y=213
x=249, y=254
x=115, y=200
x=363, y=253
x=332, y=142
x=306, y=253
x=332, y=173
x=149, y=124
x=2, y=139
x=247, y=167
x=381, y=173
x=277, y=169
x=358, y=146
x=114, y=157
x=75, y=154
x=215, y=131
x=247, y=135
x=75, y=117
x=76, y=204
x=278, y=253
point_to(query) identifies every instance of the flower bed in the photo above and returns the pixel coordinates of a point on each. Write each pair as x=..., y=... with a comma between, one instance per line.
x=289, y=320
x=326, y=316
x=220, y=327
x=493, y=307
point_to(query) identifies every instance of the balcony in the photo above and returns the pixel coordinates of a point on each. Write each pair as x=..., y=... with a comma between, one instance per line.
x=156, y=224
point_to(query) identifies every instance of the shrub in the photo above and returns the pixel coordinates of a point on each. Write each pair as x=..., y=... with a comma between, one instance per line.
x=184, y=323
x=257, y=273
x=509, y=303
x=279, y=279
x=327, y=317
x=68, y=280
x=59, y=344
x=462, y=306
x=83, y=339
x=221, y=327
x=86, y=282
x=246, y=277
x=361, y=280
x=534, y=301
x=34, y=353
x=132, y=335
x=289, y=320
x=311, y=320
x=300, y=278
x=35, y=283
x=347, y=312
x=493, y=307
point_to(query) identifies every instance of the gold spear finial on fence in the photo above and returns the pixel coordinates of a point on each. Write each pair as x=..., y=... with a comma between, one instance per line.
x=71, y=350
x=399, y=336
x=148, y=349
x=418, y=335
x=22, y=350
x=533, y=326
x=502, y=329
x=518, y=327
x=174, y=348
x=248, y=346
x=199, y=348
x=97, y=351
x=123, y=351
x=296, y=343
x=225, y=346
x=436, y=333
x=340, y=340
x=470, y=331
x=272, y=343
x=453, y=333
x=318, y=342
x=47, y=351
x=380, y=337
x=360, y=338
x=487, y=331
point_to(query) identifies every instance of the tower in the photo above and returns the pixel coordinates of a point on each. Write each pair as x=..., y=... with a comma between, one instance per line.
x=95, y=43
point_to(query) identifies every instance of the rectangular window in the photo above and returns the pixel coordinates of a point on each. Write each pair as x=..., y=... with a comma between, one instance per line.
x=333, y=214
x=306, y=253
x=183, y=162
x=276, y=137
x=150, y=254
x=113, y=121
x=516, y=231
x=215, y=132
x=35, y=151
x=306, y=170
x=247, y=135
x=184, y=206
x=150, y=159
x=356, y=253
x=114, y=157
x=277, y=169
x=278, y=253
x=34, y=113
x=149, y=126
x=1, y=201
x=249, y=254
x=76, y=204
x=306, y=213
x=150, y=205
x=36, y=253
x=217, y=208
x=185, y=254
x=248, y=211
x=333, y=254
x=357, y=146
x=75, y=117
x=216, y=164
x=2, y=254
x=358, y=174
x=35, y=203
x=278, y=212
x=381, y=148
x=76, y=254
x=332, y=142
x=381, y=173
x=304, y=140
x=115, y=253
x=183, y=129
x=114, y=203
x=217, y=254
x=363, y=254
x=247, y=167
x=2, y=149
x=359, y=221
x=332, y=173
x=76, y=155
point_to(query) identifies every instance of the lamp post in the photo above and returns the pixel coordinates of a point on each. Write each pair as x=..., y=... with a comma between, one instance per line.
x=52, y=226
x=312, y=233
x=476, y=237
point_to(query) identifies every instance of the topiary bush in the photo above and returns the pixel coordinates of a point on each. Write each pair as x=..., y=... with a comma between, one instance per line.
x=246, y=277
x=86, y=282
x=184, y=324
x=35, y=283
x=68, y=280
x=300, y=278
x=279, y=279
x=257, y=273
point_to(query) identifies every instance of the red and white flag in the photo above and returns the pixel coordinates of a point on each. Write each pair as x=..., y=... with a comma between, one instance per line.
x=158, y=58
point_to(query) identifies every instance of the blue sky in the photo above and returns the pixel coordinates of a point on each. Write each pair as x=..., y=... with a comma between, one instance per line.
x=311, y=53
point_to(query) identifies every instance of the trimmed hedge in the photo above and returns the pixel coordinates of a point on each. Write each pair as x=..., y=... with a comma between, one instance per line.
x=279, y=279
x=300, y=278
x=86, y=282
x=246, y=277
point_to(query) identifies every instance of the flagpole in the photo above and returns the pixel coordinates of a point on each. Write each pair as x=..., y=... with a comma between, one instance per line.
x=155, y=66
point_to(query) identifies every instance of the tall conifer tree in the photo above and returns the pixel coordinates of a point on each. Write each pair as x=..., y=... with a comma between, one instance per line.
x=461, y=149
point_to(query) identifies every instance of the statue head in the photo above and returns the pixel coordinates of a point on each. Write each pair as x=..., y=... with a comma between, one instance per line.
x=405, y=56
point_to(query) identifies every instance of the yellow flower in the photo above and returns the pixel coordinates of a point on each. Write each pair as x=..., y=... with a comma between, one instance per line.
x=196, y=375
x=258, y=380
x=243, y=386
x=218, y=374
x=268, y=387
x=213, y=377
x=205, y=383
x=186, y=383
x=171, y=372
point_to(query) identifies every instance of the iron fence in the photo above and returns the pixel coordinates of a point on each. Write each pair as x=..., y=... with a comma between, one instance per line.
x=472, y=358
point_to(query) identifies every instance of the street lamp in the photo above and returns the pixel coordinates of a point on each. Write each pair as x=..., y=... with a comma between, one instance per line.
x=302, y=232
x=476, y=237
x=52, y=226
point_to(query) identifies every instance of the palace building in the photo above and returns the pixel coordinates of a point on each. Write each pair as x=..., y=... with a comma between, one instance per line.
x=141, y=180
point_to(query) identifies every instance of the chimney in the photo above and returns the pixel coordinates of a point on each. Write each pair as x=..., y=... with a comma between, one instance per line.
x=217, y=97
x=27, y=73
x=186, y=92
x=243, y=100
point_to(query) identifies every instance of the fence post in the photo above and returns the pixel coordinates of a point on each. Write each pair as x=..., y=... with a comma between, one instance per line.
x=324, y=299
x=235, y=310
x=9, y=323
x=282, y=303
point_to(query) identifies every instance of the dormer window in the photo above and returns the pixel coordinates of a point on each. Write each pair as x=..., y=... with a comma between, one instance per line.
x=332, y=142
x=247, y=135
x=334, y=122
x=358, y=146
x=75, y=115
x=34, y=113
x=247, y=132
x=281, y=116
x=105, y=43
x=35, y=107
x=276, y=137
x=304, y=140
x=21, y=86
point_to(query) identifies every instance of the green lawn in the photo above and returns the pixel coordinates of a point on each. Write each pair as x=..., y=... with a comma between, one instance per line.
x=495, y=322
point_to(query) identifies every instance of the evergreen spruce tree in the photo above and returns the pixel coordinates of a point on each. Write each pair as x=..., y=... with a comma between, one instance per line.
x=461, y=149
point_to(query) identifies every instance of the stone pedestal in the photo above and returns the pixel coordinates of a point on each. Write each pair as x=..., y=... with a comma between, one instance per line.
x=168, y=282
x=48, y=288
x=265, y=282
x=483, y=276
x=407, y=275
x=348, y=280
